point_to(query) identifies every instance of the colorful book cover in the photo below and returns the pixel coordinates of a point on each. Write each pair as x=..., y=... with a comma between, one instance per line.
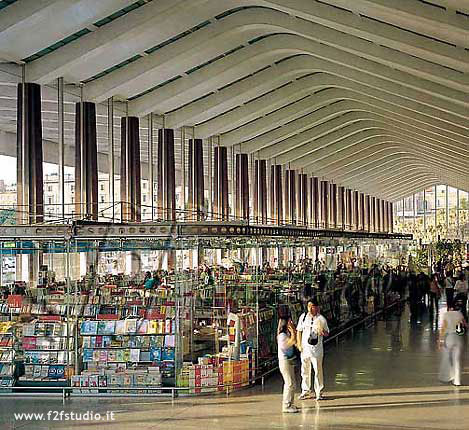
x=98, y=341
x=111, y=356
x=126, y=355
x=130, y=326
x=109, y=327
x=167, y=326
x=103, y=355
x=120, y=355
x=168, y=354
x=155, y=354
x=89, y=327
x=142, y=326
x=170, y=340
x=120, y=327
x=96, y=355
x=134, y=355
x=87, y=355
x=152, y=327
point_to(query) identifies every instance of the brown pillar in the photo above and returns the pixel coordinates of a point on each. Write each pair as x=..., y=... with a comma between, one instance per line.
x=290, y=197
x=220, y=178
x=348, y=209
x=315, y=202
x=333, y=205
x=166, y=191
x=367, y=213
x=29, y=155
x=373, y=214
x=303, y=199
x=386, y=216
x=276, y=199
x=130, y=169
x=341, y=208
x=356, y=210
x=362, y=211
x=242, y=186
x=86, y=161
x=325, y=204
x=196, y=179
x=381, y=215
x=260, y=191
x=391, y=217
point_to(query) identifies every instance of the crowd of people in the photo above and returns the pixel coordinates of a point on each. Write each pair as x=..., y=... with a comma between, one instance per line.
x=423, y=291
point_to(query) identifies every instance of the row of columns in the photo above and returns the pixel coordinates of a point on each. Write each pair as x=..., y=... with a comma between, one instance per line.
x=293, y=198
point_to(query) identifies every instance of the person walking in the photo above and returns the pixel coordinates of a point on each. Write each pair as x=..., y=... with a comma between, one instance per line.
x=435, y=293
x=451, y=343
x=449, y=290
x=460, y=290
x=311, y=329
x=286, y=340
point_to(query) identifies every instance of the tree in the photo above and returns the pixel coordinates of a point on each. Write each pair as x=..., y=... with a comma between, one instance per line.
x=7, y=216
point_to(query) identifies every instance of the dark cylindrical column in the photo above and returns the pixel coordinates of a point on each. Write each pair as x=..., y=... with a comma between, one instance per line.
x=391, y=217
x=362, y=211
x=367, y=226
x=242, y=186
x=166, y=192
x=348, y=209
x=333, y=205
x=382, y=210
x=130, y=183
x=220, y=178
x=29, y=155
x=260, y=191
x=86, y=161
x=303, y=199
x=315, y=202
x=276, y=199
x=356, y=210
x=196, y=179
x=386, y=216
x=290, y=196
x=378, y=215
x=373, y=214
x=340, y=207
x=325, y=204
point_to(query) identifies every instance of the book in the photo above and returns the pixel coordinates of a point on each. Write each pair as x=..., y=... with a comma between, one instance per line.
x=89, y=327
x=130, y=326
x=120, y=327
x=134, y=355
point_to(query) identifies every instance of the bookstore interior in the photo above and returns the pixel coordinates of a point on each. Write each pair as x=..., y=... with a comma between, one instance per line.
x=196, y=313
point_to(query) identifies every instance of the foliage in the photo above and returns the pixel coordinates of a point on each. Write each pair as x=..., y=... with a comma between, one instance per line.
x=445, y=249
x=7, y=216
x=420, y=260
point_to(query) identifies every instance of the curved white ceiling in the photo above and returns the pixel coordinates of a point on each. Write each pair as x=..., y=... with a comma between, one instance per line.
x=370, y=94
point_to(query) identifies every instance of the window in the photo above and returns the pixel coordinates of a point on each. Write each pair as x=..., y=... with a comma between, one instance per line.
x=144, y=198
x=102, y=186
x=102, y=199
x=144, y=185
x=72, y=188
x=49, y=200
x=49, y=188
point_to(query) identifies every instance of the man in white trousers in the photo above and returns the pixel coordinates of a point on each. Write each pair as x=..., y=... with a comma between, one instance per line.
x=311, y=329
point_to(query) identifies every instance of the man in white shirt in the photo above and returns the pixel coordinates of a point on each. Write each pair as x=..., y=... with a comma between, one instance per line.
x=311, y=329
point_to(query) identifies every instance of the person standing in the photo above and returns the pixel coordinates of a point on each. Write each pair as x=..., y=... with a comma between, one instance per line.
x=434, y=293
x=311, y=329
x=286, y=339
x=449, y=290
x=452, y=343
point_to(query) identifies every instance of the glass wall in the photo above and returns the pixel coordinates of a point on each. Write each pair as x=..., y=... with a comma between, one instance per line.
x=440, y=211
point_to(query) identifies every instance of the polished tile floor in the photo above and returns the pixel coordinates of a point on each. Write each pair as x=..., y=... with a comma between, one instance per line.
x=382, y=377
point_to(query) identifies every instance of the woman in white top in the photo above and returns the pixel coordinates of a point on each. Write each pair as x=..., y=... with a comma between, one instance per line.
x=286, y=339
x=452, y=343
